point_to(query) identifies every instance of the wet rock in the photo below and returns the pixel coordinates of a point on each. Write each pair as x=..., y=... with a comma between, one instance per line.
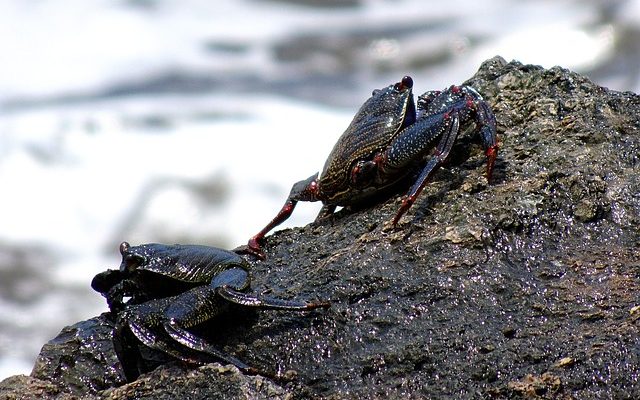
x=527, y=287
x=207, y=382
x=81, y=358
x=22, y=387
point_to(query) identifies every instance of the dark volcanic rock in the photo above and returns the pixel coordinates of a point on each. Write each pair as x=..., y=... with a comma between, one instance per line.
x=81, y=358
x=528, y=287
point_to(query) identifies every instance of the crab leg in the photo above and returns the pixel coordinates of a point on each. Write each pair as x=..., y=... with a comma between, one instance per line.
x=174, y=314
x=487, y=122
x=196, y=343
x=202, y=303
x=305, y=190
x=230, y=284
x=254, y=247
x=460, y=104
x=469, y=104
x=269, y=303
x=450, y=128
x=145, y=322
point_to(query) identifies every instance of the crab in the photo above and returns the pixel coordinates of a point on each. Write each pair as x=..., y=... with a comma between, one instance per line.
x=390, y=143
x=161, y=291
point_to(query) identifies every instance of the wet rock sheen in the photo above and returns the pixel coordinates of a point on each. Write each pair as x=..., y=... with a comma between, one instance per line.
x=528, y=287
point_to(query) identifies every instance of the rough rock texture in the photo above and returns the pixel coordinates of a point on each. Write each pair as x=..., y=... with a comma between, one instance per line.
x=528, y=287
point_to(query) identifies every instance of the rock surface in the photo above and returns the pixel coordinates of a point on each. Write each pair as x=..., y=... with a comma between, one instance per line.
x=527, y=287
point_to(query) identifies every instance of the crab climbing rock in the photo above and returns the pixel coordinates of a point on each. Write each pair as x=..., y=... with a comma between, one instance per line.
x=390, y=141
x=172, y=288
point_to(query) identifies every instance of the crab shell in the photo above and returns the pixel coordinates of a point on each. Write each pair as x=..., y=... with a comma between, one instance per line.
x=386, y=113
x=187, y=263
x=153, y=270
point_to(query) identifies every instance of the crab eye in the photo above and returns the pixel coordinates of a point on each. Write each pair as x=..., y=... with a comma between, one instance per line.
x=405, y=83
x=375, y=92
x=124, y=248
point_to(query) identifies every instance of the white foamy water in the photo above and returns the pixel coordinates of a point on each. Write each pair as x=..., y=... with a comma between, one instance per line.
x=189, y=120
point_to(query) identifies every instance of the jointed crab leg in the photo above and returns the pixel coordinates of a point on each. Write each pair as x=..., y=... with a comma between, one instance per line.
x=440, y=155
x=230, y=286
x=162, y=323
x=146, y=322
x=268, y=303
x=487, y=121
x=196, y=343
x=418, y=138
x=253, y=247
x=304, y=190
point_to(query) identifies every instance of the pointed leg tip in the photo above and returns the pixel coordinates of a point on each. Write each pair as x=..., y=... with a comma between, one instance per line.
x=489, y=176
x=392, y=224
x=492, y=154
x=252, y=371
x=286, y=377
x=251, y=248
x=407, y=202
x=321, y=304
x=388, y=226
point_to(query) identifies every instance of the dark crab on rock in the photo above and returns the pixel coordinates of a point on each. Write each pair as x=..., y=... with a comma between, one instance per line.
x=160, y=291
x=391, y=140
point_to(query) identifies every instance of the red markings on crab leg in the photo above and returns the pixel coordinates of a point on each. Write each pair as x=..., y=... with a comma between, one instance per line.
x=253, y=246
x=492, y=154
x=407, y=202
x=451, y=127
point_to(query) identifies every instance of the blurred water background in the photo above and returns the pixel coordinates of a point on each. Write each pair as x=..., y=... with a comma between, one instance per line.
x=188, y=120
